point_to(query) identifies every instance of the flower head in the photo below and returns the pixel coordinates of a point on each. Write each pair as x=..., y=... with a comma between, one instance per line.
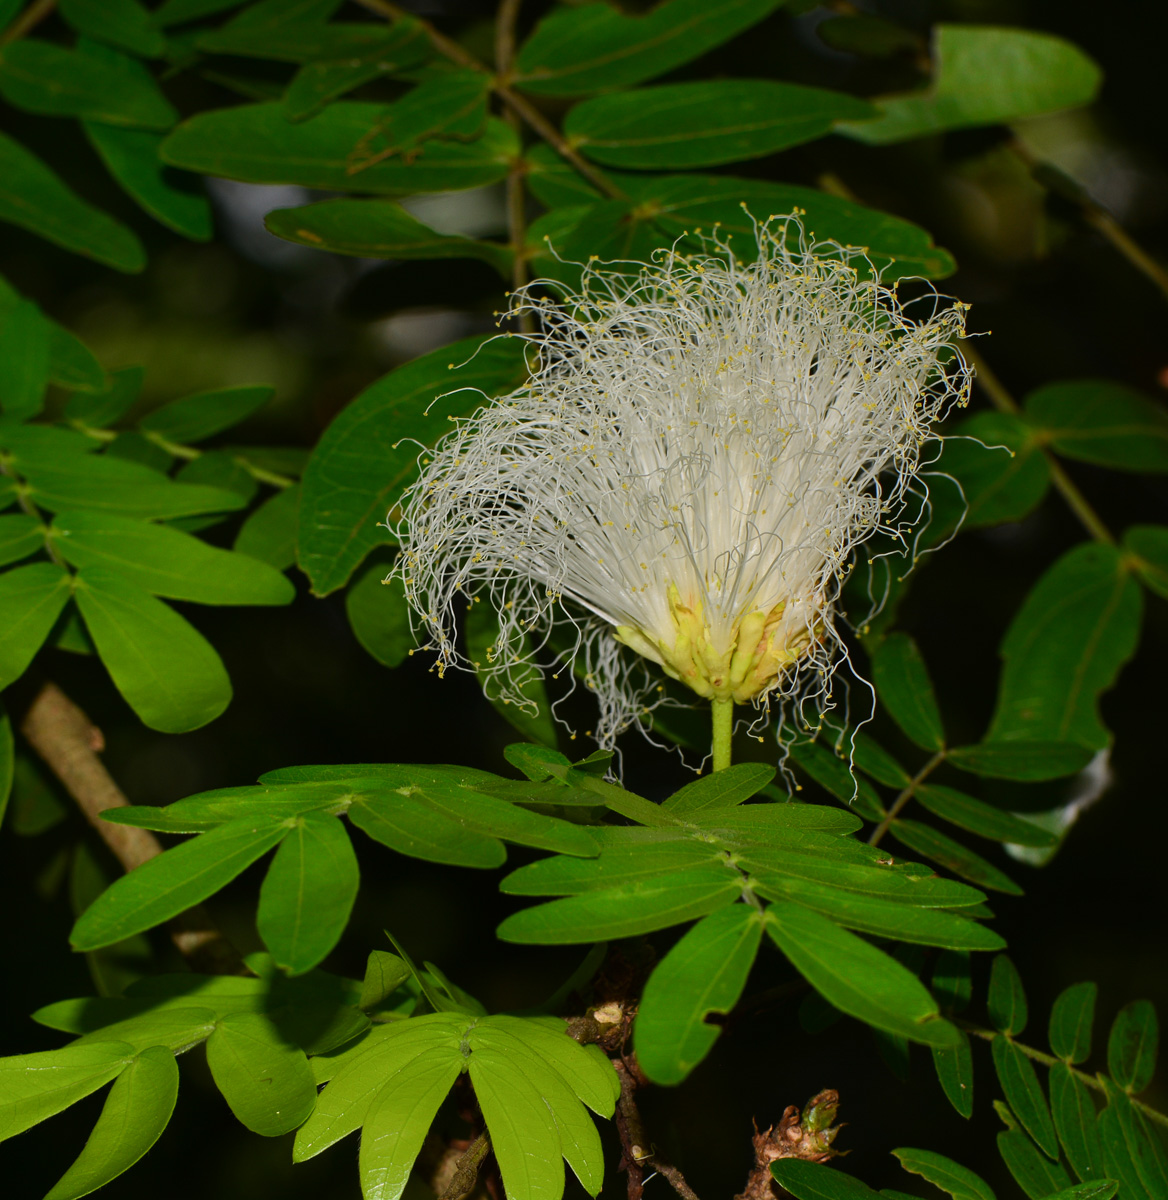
x=686, y=475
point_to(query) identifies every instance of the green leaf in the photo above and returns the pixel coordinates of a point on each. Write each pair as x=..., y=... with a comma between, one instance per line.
x=168, y=673
x=960, y=1182
x=1007, y=998
x=954, y=1067
x=1148, y=547
x=905, y=689
x=986, y=76
x=1034, y=1173
x=172, y=198
x=1101, y=422
x=1132, y=1046
x=178, y=12
x=1023, y=1092
x=316, y=83
x=595, y=48
x=308, y=893
x=379, y=615
x=953, y=856
x=532, y=718
x=814, y=1181
x=400, y=1118
x=132, y=1120
x=98, y=84
x=832, y=772
x=269, y=533
x=1102, y=1189
x=200, y=416
x=377, y=229
x=218, y=469
x=24, y=360
x=413, y=828
x=983, y=819
x=704, y=973
x=721, y=789
x=625, y=910
x=952, y=980
x=1143, y=1141
x=857, y=978
x=1071, y=1019
x=31, y=600
x=256, y=143
x=361, y=464
x=1028, y=761
x=1126, y=1148
x=267, y=1083
x=166, y=562
x=1066, y=645
x=122, y=23
x=36, y=808
x=71, y=363
x=34, y=1087
x=384, y=974
x=20, y=536
x=705, y=124
x=175, y=1028
x=1075, y=1121
x=97, y=410
x=292, y=33
x=174, y=881
x=32, y=197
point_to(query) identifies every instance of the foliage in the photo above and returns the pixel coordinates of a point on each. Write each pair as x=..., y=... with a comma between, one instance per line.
x=120, y=509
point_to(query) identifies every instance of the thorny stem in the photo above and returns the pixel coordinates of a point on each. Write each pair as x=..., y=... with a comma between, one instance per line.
x=466, y=1171
x=1004, y=402
x=69, y=743
x=722, y=719
x=501, y=87
x=31, y=17
x=905, y=796
x=1049, y=1060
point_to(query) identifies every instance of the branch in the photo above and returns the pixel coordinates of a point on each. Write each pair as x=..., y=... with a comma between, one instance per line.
x=69, y=743
x=466, y=1170
x=910, y=790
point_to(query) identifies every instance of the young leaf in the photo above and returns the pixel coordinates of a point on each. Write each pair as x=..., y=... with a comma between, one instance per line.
x=169, y=674
x=960, y=1182
x=721, y=789
x=705, y=124
x=1007, y=998
x=704, y=973
x=267, y=1083
x=986, y=76
x=1132, y=1046
x=624, y=911
x=1034, y=1173
x=1075, y=1121
x=1024, y=1093
x=200, y=416
x=31, y=600
x=34, y=1087
x=595, y=48
x=856, y=977
x=308, y=893
x=1071, y=1019
x=953, y=856
x=361, y=464
x=34, y=198
x=132, y=1120
x=1066, y=645
x=164, y=886
x=954, y=1067
x=981, y=818
x=256, y=143
x=905, y=689
x=1098, y=421
x=400, y=1117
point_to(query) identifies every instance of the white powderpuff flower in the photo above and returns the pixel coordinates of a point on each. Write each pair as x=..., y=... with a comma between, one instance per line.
x=686, y=475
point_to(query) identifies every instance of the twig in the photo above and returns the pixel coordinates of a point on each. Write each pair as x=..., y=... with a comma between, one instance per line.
x=466, y=1171
x=905, y=796
x=1001, y=399
x=1049, y=1060
x=522, y=107
x=28, y=20
x=69, y=743
x=637, y=1152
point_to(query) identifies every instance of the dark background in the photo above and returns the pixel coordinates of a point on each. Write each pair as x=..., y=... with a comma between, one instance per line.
x=1061, y=304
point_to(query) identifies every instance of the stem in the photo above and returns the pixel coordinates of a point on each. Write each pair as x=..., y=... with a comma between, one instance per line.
x=1049, y=1060
x=518, y=104
x=722, y=713
x=466, y=1171
x=69, y=743
x=1001, y=399
x=905, y=796
x=190, y=453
